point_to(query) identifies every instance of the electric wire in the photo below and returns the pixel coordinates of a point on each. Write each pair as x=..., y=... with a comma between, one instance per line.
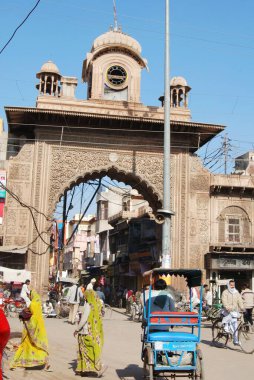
x=19, y=26
x=115, y=203
x=23, y=204
x=93, y=127
x=30, y=209
x=87, y=207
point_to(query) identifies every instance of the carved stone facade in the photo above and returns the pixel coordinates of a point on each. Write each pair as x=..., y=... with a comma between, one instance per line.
x=64, y=141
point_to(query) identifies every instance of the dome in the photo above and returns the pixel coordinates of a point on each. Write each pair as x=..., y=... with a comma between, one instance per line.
x=49, y=67
x=178, y=81
x=116, y=37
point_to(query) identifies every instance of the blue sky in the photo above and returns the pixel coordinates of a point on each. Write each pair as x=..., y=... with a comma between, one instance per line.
x=212, y=46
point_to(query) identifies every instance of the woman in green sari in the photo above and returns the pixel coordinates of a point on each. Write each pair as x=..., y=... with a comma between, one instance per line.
x=90, y=336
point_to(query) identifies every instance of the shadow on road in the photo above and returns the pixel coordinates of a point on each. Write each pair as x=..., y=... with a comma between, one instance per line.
x=213, y=344
x=73, y=365
x=132, y=371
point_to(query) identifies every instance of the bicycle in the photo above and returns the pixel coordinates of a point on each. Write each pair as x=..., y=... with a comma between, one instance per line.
x=211, y=314
x=245, y=335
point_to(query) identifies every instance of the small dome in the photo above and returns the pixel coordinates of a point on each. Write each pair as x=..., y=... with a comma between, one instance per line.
x=116, y=37
x=49, y=67
x=178, y=81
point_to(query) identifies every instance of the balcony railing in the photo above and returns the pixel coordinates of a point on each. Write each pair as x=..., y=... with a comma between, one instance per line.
x=130, y=214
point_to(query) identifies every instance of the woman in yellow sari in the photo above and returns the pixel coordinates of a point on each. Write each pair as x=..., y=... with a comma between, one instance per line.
x=90, y=336
x=33, y=350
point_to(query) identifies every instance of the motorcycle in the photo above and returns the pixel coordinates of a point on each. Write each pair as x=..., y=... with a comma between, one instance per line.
x=13, y=306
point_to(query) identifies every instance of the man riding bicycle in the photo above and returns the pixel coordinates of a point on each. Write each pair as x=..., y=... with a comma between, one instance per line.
x=232, y=303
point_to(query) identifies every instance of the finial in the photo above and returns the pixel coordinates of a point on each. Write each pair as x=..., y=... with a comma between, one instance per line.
x=115, y=17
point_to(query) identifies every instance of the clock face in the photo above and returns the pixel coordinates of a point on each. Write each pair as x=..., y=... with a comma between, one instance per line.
x=116, y=76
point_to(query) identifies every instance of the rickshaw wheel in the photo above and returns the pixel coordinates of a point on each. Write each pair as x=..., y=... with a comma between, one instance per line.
x=198, y=374
x=148, y=369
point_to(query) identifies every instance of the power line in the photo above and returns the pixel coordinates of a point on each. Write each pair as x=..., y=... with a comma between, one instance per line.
x=13, y=195
x=115, y=203
x=30, y=208
x=93, y=127
x=15, y=31
x=82, y=216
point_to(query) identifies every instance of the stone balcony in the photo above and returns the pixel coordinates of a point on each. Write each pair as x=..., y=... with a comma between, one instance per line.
x=123, y=215
x=237, y=247
x=239, y=185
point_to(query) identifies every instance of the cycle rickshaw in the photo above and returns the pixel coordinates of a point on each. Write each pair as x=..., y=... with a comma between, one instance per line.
x=170, y=339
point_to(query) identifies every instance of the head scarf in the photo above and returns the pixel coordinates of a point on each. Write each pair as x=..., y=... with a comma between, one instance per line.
x=231, y=290
x=94, y=321
x=36, y=325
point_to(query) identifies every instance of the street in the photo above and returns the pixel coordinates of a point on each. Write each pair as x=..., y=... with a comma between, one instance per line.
x=122, y=353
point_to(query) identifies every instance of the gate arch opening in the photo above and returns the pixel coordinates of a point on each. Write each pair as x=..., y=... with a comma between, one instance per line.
x=150, y=194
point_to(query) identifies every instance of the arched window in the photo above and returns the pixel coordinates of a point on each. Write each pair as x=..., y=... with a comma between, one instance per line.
x=234, y=226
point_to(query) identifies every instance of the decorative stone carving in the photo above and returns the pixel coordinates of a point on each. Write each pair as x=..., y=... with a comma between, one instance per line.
x=19, y=171
x=25, y=154
x=68, y=164
x=21, y=190
x=23, y=222
x=203, y=227
x=193, y=227
x=19, y=241
x=199, y=182
x=196, y=256
x=11, y=223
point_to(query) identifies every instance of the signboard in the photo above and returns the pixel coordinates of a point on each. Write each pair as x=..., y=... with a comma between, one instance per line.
x=231, y=262
x=3, y=181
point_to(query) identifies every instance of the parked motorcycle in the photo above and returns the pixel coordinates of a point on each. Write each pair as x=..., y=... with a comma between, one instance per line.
x=13, y=305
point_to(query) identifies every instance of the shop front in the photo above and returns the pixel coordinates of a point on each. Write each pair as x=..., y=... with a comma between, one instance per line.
x=225, y=266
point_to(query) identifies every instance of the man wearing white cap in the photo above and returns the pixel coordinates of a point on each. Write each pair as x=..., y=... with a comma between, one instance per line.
x=91, y=284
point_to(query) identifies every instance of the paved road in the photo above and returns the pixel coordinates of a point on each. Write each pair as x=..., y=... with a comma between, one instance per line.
x=122, y=353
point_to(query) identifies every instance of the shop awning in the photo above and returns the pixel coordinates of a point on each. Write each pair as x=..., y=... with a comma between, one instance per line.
x=14, y=275
x=12, y=249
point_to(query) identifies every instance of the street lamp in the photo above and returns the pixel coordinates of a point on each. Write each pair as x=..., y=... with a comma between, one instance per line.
x=166, y=254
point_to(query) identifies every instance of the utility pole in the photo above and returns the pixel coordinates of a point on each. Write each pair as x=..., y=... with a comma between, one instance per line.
x=225, y=152
x=61, y=250
x=166, y=227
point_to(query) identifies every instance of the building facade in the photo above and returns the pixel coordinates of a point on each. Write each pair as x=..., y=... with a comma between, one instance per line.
x=64, y=141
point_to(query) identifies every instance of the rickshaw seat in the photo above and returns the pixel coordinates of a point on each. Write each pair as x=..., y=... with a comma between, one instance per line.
x=171, y=317
x=172, y=336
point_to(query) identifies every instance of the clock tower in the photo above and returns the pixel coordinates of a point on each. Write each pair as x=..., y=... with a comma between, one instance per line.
x=112, y=70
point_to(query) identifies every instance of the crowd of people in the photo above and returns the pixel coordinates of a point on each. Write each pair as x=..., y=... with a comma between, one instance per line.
x=87, y=302
x=33, y=349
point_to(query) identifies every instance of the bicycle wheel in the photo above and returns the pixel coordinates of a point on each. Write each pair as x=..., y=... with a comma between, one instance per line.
x=246, y=338
x=218, y=333
x=107, y=311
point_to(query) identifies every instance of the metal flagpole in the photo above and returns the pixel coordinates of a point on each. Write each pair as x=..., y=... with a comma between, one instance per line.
x=166, y=254
x=115, y=16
